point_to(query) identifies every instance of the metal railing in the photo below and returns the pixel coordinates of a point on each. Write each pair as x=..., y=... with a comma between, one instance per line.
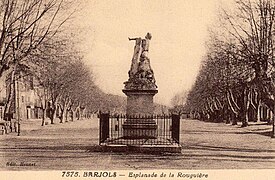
x=123, y=129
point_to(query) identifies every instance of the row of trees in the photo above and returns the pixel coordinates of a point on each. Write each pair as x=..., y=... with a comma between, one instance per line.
x=33, y=42
x=63, y=80
x=178, y=102
x=237, y=74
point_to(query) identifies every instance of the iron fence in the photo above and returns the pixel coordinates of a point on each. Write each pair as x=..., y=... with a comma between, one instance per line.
x=122, y=129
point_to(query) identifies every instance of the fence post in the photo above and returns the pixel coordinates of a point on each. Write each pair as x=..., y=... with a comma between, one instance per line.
x=103, y=127
x=176, y=127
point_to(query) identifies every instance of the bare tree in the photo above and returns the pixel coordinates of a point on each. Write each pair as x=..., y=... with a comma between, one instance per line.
x=24, y=26
x=178, y=101
x=243, y=48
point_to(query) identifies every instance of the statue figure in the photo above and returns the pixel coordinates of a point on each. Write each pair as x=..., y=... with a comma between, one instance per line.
x=141, y=74
x=136, y=57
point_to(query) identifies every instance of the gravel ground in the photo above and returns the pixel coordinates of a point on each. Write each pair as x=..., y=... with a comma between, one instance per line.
x=204, y=146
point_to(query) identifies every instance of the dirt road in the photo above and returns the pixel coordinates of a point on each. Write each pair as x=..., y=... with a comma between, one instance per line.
x=204, y=146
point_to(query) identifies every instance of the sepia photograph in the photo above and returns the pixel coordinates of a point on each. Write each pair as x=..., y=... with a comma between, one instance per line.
x=137, y=89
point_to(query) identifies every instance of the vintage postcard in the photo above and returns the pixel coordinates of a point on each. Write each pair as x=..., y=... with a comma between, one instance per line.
x=137, y=89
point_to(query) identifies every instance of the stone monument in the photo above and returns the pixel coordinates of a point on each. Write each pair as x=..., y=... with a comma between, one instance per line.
x=140, y=89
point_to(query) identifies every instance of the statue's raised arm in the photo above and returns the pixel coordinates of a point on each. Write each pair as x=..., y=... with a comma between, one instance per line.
x=133, y=39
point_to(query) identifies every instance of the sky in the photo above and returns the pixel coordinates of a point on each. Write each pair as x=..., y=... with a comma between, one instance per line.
x=178, y=28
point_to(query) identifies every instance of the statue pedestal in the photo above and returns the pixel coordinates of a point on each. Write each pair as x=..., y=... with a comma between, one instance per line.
x=140, y=109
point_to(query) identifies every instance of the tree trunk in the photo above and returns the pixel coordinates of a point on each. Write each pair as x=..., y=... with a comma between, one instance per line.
x=77, y=112
x=66, y=115
x=259, y=112
x=53, y=114
x=246, y=103
x=61, y=114
x=11, y=96
x=228, y=116
x=234, y=120
x=43, y=116
x=233, y=107
x=72, y=115
x=64, y=111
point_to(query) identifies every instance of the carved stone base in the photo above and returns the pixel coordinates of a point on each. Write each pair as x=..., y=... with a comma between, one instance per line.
x=140, y=107
x=140, y=102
